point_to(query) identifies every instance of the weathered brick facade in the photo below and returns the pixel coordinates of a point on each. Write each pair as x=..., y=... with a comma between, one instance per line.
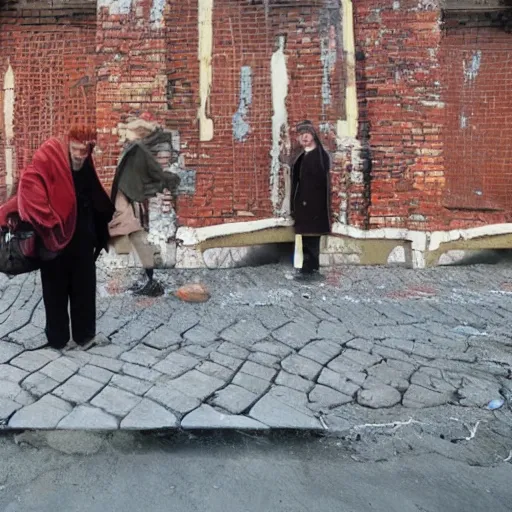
x=399, y=85
x=476, y=63
x=232, y=77
x=438, y=131
x=149, y=64
x=53, y=62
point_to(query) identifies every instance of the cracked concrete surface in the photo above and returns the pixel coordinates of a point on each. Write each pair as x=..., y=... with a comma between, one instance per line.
x=379, y=468
x=364, y=345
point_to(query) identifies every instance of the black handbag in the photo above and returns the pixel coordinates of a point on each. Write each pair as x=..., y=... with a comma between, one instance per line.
x=18, y=247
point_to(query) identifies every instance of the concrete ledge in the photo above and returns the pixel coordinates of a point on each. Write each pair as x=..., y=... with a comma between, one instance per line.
x=232, y=243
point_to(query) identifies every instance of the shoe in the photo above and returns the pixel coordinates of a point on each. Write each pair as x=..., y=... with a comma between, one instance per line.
x=86, y=345
x=309, y=275
x=138, y=285
x=151, y=289
x=100, y=340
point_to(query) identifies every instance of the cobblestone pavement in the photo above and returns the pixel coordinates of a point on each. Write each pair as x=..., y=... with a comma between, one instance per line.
x=364, y=345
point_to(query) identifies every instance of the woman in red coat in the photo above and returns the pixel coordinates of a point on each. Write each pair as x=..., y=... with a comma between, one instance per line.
x=60, y=195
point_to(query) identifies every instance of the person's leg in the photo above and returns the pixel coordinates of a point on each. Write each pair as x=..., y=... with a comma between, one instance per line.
x=311, y=248
x=314, y=250
x=55, y=281
x=146, y=253
x=307, y=246
x=83, y=297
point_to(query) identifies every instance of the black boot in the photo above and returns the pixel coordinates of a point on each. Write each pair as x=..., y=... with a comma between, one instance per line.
x=152, y=288
x=139, y=284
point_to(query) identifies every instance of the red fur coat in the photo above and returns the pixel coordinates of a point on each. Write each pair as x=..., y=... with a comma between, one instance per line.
x=46, y=196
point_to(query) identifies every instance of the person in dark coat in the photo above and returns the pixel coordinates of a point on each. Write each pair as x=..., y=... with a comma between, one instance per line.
x=61, y=196
x=310, y=197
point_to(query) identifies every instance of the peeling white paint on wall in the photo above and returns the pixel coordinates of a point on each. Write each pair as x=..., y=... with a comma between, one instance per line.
x=162, y=229
x=428, y=5
x=241, y=127
x=463, y=121
x=472, y=68
x=348, y=127
x=9, y=125
x=328, y=55
x=156, y=15
x=116, y=6
x=205, y=27
x=280, y=79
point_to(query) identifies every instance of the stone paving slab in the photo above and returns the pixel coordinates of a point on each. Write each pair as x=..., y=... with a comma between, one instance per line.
x=265, y=352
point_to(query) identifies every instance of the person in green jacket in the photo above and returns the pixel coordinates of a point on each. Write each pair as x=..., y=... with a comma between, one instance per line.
x=139, y=176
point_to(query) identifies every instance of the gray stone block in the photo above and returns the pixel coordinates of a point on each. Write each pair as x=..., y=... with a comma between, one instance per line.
x=143, y=356
x=273, y=347
x=60, y=369
x=38, y=384
x=234, y=399
x=78, y=389
x=176, y=364
x=162, y=338
x=338, y=382
x=206, y=417
x=148, y=415
x=250, y=382
x=360, y=344
x=85, y=417
x=321, y=351
x=296, y=334
x=387, y=375
x=379, y=397
x=197, y=385
x=301, y=366
x=215, y=370
x=201, y=335
x=322, y=397
x=417, y=397
x=111, y=350
x=139, y=372
x=265, y=359
x=263, y=372
x=96, y=373
x=232, y=350
x=115, y=401
x=9, y=350
x=246, y=332
x=173, y=399
x=200, y=351
x=335, y=331
x=11, y=373
x=227, y=361
x=131, y=384
x=281, y=409
x=360, y=359
x=7, y=407
x=45, y=413
x=114, y=365
x=34, y=360
x=10, y=390
x=293, y=381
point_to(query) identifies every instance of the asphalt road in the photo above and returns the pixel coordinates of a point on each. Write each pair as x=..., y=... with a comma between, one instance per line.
x=235, y=473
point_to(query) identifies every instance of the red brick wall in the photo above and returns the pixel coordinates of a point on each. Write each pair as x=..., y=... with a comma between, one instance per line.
x=399, y=91
x=477, y=76
x=131, y=77
x=54, y=72
x=232, y=177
